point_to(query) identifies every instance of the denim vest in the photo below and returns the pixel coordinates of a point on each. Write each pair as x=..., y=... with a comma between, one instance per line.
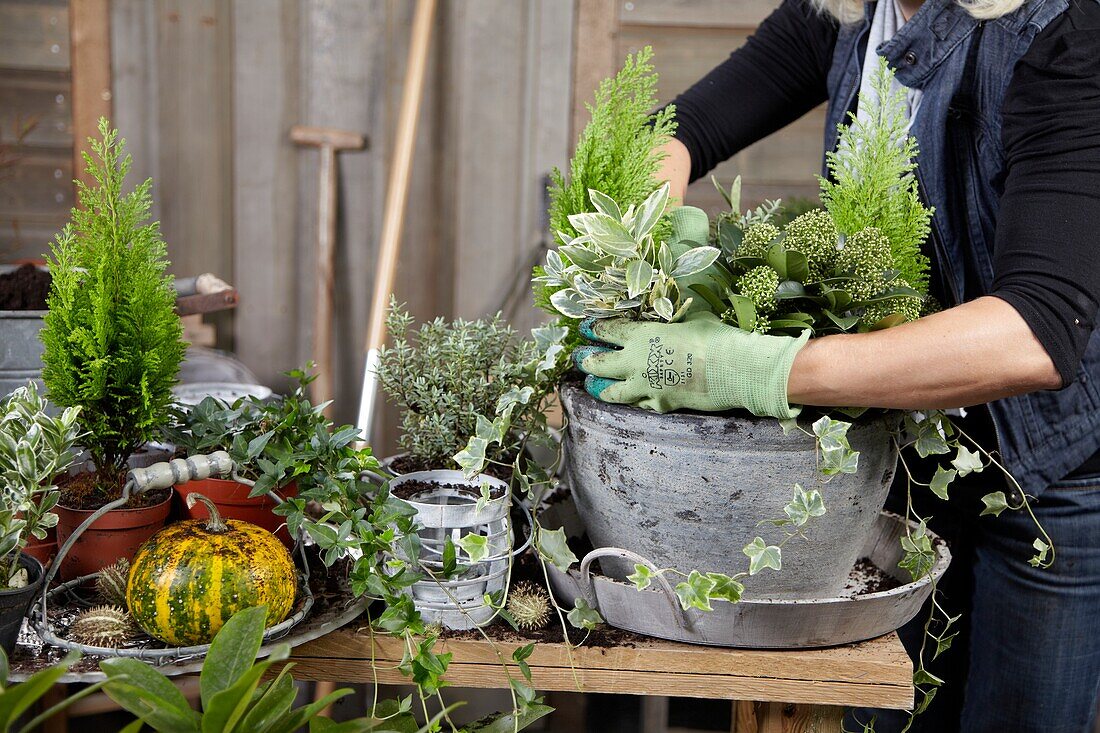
x=963, y=67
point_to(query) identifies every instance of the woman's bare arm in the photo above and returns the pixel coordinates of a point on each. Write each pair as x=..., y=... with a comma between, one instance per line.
x=980, y=351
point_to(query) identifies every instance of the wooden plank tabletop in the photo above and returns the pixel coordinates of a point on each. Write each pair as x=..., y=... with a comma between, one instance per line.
x=876, y=673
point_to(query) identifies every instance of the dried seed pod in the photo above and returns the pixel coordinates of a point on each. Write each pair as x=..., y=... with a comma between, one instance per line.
x=105, y=626
x=111, y=583
x=529, y=605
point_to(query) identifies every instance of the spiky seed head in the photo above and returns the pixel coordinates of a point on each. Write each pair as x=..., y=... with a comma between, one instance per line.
x=529, y=605
x=759, y=285
x=104, y=626
x=757, y=239
x=111, y=582
x=815, y=235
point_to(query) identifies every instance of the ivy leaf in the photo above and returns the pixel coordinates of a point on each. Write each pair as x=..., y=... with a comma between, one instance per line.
x=941, y=481
x=930, y=438
x=584, y=616
x=476, y=546
x=923, y=677
x=967, y=461
x=789, y=424
x=804, y=505
x=837, y=455
x=642, y=576
x=554, y=548
x=943, y=643
x=919, y=557
x=471, y=459
x=762, y=555
x=695, y=591
x=1042, y=550
x=995, y=503
x=725, y=588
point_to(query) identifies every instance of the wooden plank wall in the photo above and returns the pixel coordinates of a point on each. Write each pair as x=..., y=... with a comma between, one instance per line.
x=207, y=91
x=689, y=37
x=35, y=194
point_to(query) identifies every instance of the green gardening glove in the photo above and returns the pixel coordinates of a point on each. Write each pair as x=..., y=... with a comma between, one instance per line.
x=699, y=364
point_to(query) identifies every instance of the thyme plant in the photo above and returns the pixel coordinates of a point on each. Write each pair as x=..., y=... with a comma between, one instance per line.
x=113, y=341
x=443, y=375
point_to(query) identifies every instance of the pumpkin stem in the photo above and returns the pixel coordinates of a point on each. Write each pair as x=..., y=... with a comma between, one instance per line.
x=215, y=523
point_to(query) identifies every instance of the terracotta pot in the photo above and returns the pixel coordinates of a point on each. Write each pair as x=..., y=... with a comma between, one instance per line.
x=233, y=502
x=43, y=550
x=14, y=602
x=115, y=535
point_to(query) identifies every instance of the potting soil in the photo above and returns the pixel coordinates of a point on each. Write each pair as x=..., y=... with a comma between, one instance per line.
x=24, y=289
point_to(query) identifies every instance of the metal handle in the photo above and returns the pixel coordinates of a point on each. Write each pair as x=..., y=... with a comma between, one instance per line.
x=589, y=592
x=180, y=471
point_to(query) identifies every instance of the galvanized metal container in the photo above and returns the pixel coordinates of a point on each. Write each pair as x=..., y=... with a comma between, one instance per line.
x=755, y=623
x=689, y=491
x=451, y=509
x=20, y=349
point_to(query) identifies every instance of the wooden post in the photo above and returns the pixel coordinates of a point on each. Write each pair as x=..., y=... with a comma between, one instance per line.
x=90, y=38
x=597, y=23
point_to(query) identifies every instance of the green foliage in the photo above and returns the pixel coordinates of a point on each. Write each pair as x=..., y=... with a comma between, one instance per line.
x=18, y=699
x=447, y=377
x=874, y=183
x=35, y=447
x=112, y=337
x=616, y=268
x=272, y=441
x=616, y=154
x=234, y=698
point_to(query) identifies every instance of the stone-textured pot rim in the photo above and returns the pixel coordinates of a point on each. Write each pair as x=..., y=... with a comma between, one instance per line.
x=24, y=314
x=692, y=417
x=31, y=563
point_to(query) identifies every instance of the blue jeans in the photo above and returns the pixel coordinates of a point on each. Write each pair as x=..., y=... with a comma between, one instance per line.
x=1027, y=659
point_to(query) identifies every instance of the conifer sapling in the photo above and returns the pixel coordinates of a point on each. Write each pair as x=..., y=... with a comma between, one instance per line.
x=112, y=336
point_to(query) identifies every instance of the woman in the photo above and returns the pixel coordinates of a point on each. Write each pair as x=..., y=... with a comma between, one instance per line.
x=1004, y=101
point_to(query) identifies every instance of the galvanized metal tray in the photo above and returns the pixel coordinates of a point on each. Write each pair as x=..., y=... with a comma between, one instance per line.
x=755, y=623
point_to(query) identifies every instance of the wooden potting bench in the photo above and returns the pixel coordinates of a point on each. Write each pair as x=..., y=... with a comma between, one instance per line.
x=795, y=691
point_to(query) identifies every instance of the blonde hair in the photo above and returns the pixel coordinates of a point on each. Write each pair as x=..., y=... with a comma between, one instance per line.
x=849, y=11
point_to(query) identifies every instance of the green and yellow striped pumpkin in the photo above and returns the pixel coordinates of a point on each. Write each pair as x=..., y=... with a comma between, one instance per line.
x=189, y=578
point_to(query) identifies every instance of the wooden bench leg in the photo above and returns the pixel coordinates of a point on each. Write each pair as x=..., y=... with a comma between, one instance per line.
x=655, y=715
x=777, y=717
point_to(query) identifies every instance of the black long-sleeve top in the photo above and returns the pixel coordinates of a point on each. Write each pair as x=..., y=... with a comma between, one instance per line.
x=1046, y=263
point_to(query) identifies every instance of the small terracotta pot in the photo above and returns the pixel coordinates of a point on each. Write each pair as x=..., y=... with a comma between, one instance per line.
x=116, y=535
x=43, y=550
x=233, y=502
x=14, y=602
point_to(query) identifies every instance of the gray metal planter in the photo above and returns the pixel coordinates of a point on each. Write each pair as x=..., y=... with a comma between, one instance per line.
x=20, y=349
x=450, y=510
x=689, y=491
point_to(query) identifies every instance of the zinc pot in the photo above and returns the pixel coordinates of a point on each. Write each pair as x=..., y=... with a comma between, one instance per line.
x=689, y=490
x=448, y=508
x=14, y=602
x=115, y=535
x=233, y=502
x=20, y=349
